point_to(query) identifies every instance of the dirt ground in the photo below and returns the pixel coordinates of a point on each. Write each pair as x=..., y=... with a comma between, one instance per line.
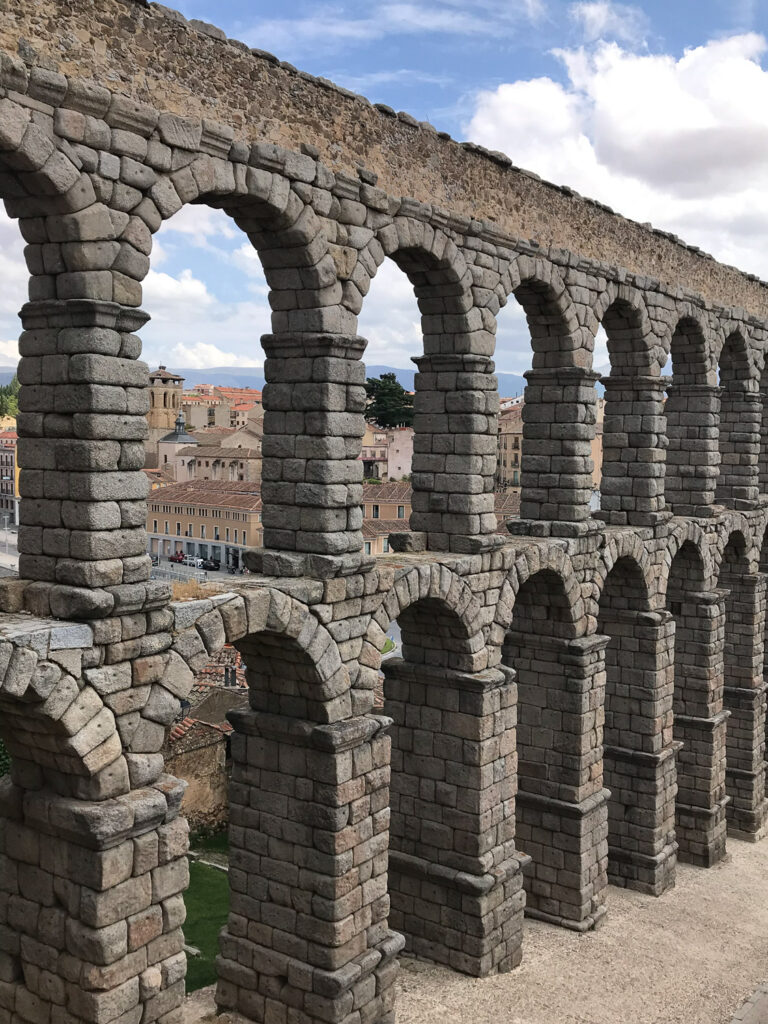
x=690, y=957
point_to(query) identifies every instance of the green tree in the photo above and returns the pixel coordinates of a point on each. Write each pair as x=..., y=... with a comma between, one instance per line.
x=389, y=404
x=9, y=398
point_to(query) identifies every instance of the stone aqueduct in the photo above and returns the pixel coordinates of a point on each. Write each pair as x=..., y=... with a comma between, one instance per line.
x=579, y=702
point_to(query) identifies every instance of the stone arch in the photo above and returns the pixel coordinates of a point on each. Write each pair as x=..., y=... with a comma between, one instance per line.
x=685, y=531
x=529, y=562
x=691, y=412
x=638, y=755
x=282, y=227
x=442, y=282
x=632, y=345
x=690, y=345
x=556, y=335
x=633, y=436
x=276, y=633
x=734, y=530
x=454, y=639
x=740, y=419
x=623, y=545
x=743, y=588
x=540, y=615
x=57, y=727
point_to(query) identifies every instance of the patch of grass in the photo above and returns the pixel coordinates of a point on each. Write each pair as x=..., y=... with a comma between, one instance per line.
x=213, y=842
x=207, y=901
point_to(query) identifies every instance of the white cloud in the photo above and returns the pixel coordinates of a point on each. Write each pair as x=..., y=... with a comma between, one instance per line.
x=198, y=225
x=396, y=76
x=174, y=299
x=390, y=319
x=9, y=353
x=391, y=322
x=600, y=19
x=333, y=26
x=202, y=355
x=15, y=278
x=681, y=143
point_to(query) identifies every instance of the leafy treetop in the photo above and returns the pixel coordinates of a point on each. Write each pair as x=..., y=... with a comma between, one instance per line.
x=389, y=404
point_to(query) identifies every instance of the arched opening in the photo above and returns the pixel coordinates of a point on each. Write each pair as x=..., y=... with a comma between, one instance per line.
x=743, y=693
x=699, y=723
x=555, y=422
x=739, y=427
x=452, y=441
x=560, y=810
x=691, y=423
x=452, y=780
x=633, y=441
x=638, y=753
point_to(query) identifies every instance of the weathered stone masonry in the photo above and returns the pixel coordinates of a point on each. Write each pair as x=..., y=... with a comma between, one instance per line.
x=580, y=703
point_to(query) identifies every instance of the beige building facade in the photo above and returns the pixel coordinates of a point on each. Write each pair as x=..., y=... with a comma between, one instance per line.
x=205, y=519
x=510, y=448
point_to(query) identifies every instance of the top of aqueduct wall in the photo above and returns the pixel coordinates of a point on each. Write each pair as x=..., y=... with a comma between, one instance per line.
x=153, y=54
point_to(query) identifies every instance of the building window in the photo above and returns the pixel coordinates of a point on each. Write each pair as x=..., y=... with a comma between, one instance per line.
x=375, y=511
x=202, y=533
x=244, y=540
x=235, y=536
x=154, y=526
x=385, y=545
x=227, y=533
x=178, y=529
x=401, y=511
x=166, y=527
x=215, y=533
x=367, y=547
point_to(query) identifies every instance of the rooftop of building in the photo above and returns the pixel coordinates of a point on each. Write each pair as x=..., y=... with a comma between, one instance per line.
x=383, y=527
x=241, y=495
x=162, y=373
x=179, y=434
x=395, y=491
x=212, y=451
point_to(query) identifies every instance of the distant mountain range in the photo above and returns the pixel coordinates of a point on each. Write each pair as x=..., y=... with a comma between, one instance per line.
x=510, y=384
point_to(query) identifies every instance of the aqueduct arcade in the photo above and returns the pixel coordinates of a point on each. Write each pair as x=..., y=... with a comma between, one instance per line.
x=579, y=702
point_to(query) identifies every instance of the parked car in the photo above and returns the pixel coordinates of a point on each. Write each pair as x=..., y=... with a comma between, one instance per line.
x=211, y=564
x=177, y=557
x=191, y=560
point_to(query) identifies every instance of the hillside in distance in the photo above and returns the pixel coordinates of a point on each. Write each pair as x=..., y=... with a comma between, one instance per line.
x=510, y=384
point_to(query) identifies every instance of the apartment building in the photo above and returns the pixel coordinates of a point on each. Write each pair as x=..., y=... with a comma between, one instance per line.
x=387, y=453
x=511, y=447
x=205, y=518
x=9, y=478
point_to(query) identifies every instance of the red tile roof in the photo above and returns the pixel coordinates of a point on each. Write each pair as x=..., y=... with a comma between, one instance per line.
x=236, y=494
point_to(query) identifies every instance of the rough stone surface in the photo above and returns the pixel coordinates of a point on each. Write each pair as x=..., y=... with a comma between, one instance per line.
x=581, y=700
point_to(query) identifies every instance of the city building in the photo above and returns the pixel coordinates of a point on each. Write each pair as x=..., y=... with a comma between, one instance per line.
x=9, y=478
x=205, y=518
x=211, y=405
x=215, y=462
x=511, y=446
x=387, y=501
x=387, y=453
x=165, y=395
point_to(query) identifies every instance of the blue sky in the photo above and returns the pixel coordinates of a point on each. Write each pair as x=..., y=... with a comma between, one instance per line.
x=657, y=108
